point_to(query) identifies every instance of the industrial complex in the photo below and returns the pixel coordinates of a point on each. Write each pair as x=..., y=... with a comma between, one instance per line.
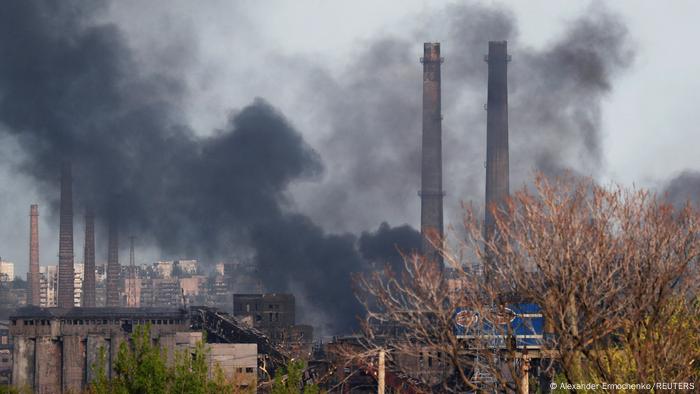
x=75, y=311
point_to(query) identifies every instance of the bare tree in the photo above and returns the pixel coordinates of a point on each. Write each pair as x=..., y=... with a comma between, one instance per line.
x=613, y=271
x=445, y=329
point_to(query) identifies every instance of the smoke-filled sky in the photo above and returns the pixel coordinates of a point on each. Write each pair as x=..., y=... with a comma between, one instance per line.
x=286, y=134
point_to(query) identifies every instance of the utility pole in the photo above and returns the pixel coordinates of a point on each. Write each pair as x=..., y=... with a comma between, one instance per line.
x=525, y=371
x=380, y=377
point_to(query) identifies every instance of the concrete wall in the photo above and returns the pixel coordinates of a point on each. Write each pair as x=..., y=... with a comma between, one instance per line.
x=55, y=349
x=429, y=366
x=238, y=361
x=268, y=311
x=187, y=339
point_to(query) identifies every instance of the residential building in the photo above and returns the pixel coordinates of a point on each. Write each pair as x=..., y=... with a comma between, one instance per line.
x=48, y=285
x=164, y=268
x=187, y=267
x=7, y=271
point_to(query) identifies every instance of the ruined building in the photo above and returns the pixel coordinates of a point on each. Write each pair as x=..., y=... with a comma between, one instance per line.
x=497, y=179
x=431, y=192
x=274, y=314
x=55, y=347
x=33, y=277
x=65, y=246
x=88, y=296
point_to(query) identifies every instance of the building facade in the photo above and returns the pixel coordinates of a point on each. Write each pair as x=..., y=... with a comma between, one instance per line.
x=54, y=346
x=275, y=315
x=48, y=285
x=188, y=267
x=7, y=271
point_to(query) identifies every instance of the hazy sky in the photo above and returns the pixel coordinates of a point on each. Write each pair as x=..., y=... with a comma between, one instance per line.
x=229, y=52
x=649, y=115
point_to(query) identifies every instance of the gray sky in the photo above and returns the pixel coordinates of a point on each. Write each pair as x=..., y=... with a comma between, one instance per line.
x=648, y=114
x=231, y=52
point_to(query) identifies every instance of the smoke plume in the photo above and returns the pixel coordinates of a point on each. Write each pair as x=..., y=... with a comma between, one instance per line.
x=71, y=87
x=372, y=111
x=683, y=188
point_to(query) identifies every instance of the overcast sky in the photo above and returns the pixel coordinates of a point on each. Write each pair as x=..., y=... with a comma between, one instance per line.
x=229, y=53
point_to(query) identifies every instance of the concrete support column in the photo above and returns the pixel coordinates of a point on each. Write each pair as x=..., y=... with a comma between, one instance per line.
x=114, y=344
x=73, y=363
x=48, y=366
x=168, y=345
x=23, y=363
x=95, y=345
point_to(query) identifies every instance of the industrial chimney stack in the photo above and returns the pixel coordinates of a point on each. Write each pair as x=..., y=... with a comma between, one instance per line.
x=66, y=282
x=88, y=296
x=113, y=268
x=497, y=178
x=131, y=299
x=431, y=165
x=34, y=296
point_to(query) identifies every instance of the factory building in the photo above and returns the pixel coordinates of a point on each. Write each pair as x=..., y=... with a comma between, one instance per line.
x=55, y=347
x=5, y=355
x=275, y=315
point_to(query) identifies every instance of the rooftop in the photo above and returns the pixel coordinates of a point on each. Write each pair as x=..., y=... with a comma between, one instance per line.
x=99, y=312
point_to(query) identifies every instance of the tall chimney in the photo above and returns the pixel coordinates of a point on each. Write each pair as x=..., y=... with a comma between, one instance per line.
x=66, y=282
x=89, y=257
x=131, y=289
x=497, y=178
x=431, y=165
x=113, y=268
x=34, y=296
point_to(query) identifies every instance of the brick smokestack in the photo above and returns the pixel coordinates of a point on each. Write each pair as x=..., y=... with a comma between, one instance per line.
x=497, y=178
x=431, y=165
x=65, y=242
x=113, y=268
x=34, y=296
x=88, y=294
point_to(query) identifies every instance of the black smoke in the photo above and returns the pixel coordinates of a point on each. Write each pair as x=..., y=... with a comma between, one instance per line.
x=387, y=244
x=373, y=107
x=683, y=188
x=75, y=92
x=71, y=87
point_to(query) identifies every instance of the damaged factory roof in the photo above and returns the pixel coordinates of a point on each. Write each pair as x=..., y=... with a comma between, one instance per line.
x=101, y=312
